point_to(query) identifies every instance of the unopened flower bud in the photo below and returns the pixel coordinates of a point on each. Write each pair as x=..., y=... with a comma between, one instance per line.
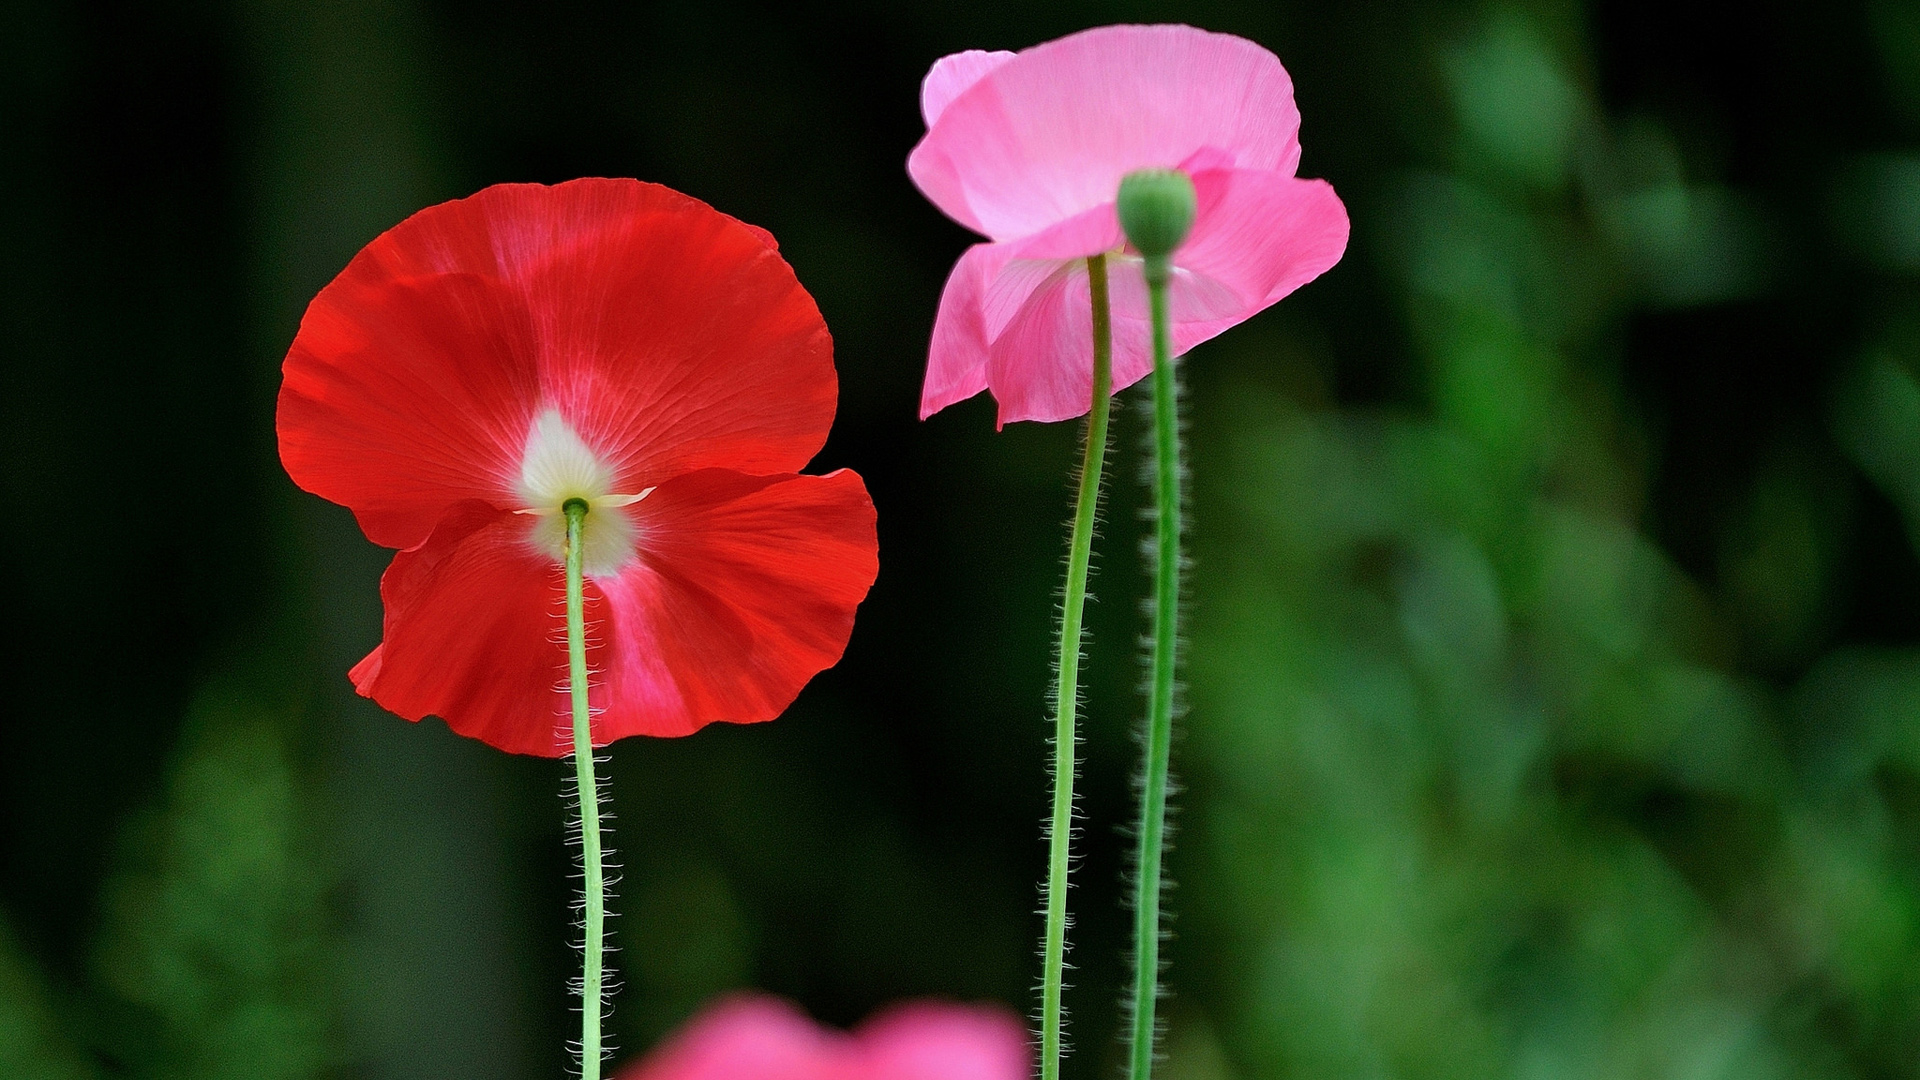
x=1156, y=208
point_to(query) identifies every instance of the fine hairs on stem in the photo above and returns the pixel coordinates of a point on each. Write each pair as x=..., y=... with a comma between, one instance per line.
x=1157, y=738
x=1157, y=208
x=593, y=913
x=576, y=984
x=1066, y=696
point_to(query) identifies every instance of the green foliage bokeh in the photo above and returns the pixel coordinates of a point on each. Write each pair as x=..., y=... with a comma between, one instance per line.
x=1554, y=642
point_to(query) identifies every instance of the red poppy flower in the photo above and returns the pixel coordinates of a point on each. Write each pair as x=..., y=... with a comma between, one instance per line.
x=486, y=361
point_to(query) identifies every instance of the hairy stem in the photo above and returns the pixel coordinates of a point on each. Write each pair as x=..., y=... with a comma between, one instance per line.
x=594, y=915
x=1066, y=697
x=1159, y=733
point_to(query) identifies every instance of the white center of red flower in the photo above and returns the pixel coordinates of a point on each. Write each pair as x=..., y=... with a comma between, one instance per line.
x=557, y=467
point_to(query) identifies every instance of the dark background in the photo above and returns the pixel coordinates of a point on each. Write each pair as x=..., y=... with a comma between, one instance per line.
x=1554, y=623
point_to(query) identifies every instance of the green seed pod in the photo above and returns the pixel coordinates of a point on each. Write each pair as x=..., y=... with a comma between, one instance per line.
x=1156, y=208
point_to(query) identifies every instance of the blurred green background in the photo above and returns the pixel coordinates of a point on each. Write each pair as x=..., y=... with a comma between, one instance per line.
x=1555, y=626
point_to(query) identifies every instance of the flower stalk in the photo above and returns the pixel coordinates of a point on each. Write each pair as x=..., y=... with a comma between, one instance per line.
x=1156, y=208
x=1066, y=696
x=594, y=908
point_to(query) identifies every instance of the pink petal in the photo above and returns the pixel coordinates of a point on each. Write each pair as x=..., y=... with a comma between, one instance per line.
x=1191, y=297
x=748, y=1038
x=936, y=1041
x=1207, y=157
x=1262, y=234
x=1048, y=134
x=1089, y=232
x=957, y=360
x=986, y=291
x=1257, y=237
x=950, y=76
x=1042, y=362
x=1013, y=287
x=1041, y=366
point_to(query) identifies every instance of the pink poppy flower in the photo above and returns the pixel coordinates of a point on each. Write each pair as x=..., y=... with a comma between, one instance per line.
x=1028, y=149
x=755, y=1037
x=488, y=360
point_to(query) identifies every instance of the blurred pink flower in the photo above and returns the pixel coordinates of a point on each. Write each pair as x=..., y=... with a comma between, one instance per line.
x=754, y=1037
x=1029, y=148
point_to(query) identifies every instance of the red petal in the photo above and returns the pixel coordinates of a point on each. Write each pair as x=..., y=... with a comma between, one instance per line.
x=744, y=589
x=673, y=337
x=670, y=336
x=475, y=619
x=407, y=392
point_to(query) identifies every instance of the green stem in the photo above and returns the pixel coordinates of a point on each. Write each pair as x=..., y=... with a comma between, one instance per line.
x=1159, y=735
x=594, y=917
x=1066, y=697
